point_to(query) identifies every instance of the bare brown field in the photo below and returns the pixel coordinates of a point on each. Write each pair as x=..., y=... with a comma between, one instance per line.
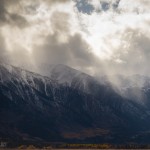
x=86, y=133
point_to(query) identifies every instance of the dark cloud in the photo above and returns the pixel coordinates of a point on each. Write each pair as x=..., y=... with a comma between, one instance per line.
x=32, y=8
x=88, y=7
x=84, y=6
x=107, y=5
x=115, y=5
x=60, y=22
x=51, y=51
x=2, y=49
x=7, y=18
x=3, y=12
x=16, y=20
x=80, y=51
x=61, y=47
x=56, y=1
x=57, y=42
x=75, y=52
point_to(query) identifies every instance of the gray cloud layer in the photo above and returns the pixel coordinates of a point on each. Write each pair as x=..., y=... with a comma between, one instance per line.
x=99, y=36
x=11, y=18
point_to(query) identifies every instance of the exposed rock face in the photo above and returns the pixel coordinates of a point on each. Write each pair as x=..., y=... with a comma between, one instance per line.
x=36, y=107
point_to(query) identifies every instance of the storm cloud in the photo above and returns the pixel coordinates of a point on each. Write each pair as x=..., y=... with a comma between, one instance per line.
x=9, y=14
x=97, y=37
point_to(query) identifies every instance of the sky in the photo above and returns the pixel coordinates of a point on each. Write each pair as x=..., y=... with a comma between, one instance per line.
x=95, y=36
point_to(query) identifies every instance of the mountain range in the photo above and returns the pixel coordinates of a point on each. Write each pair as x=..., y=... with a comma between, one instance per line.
x=60, y=104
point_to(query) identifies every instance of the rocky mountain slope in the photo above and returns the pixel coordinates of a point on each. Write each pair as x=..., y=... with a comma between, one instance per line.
x=42, y=108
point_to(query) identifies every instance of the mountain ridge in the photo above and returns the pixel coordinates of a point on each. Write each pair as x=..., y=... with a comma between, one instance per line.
x=37, y=107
